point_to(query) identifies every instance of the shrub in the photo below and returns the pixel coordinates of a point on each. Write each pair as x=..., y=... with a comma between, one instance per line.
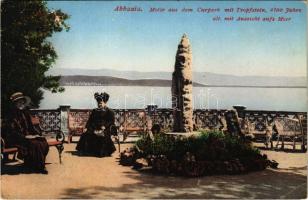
x=204, y=153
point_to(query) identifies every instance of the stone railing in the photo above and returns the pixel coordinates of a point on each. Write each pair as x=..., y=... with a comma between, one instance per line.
x=66, y=119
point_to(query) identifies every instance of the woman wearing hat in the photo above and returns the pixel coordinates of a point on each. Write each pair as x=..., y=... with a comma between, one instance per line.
x=33, y=150
x=99, y=128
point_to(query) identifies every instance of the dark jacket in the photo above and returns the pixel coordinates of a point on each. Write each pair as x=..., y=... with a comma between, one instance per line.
x=19, y=126
x=34, y=150
x=100, y=117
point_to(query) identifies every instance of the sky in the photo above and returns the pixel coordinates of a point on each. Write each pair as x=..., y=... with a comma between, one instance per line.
x=101, y=38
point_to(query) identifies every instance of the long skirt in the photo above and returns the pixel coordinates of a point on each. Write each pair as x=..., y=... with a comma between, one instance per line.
x=93, y=144
x=34, y=152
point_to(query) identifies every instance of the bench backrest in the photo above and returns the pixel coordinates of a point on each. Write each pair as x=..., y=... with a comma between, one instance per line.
x=77, y=121
x=135, y=120
x=288, y=127
x=132, y=120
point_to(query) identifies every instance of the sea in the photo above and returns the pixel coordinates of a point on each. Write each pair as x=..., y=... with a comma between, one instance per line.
x=138, y=97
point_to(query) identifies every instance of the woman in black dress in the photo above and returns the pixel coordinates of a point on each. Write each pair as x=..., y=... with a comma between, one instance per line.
x=96, y=140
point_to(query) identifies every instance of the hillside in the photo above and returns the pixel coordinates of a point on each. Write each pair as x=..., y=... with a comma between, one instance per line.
x=116, y=77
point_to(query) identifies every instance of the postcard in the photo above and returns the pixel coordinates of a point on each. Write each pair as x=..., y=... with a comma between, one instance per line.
x=154, y=99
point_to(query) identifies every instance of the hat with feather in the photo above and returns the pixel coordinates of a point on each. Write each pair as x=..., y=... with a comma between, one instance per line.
x=101, y=97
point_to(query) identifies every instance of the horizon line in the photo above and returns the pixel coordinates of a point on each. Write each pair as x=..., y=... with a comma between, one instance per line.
x=297, y=76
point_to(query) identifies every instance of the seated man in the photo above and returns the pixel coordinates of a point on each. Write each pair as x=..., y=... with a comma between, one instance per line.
x=32, y=148
x=100, y=126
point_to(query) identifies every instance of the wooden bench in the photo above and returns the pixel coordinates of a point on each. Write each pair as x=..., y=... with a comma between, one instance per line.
x=292, y=129
x=265, y=135
x=134, y=121
x=128, y=131
x=51, y=143
x=56, y=142
x=77, y=120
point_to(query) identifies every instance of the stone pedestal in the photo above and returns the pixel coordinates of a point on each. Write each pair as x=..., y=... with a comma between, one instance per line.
x=64, y=110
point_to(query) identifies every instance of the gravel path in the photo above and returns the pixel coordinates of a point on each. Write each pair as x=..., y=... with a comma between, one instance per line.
x=90, y=177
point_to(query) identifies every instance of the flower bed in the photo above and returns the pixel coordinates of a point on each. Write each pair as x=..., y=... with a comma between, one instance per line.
x=206, y=153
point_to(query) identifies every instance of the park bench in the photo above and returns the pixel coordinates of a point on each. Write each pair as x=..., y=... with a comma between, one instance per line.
x=294, y=130
x=133, y=121
x=77, y=120
x=262, y=132
x=54, y=139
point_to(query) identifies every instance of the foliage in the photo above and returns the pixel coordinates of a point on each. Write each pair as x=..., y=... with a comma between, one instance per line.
x=207, y=153
x=26, y=27
x=210, y=146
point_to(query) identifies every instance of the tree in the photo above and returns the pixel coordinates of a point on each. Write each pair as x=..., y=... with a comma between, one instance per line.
x=27, y=54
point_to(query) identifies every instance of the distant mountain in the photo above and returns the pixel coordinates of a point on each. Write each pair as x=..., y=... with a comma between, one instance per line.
x=79, y=80
x=109, y=76
x=132, y=75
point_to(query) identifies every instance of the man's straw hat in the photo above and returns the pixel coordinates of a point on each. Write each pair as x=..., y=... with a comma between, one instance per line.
x=19, y=95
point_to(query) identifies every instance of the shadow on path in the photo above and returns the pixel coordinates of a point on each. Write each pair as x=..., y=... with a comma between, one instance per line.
x=264, y=184
x=16, y=169
x=287, y=150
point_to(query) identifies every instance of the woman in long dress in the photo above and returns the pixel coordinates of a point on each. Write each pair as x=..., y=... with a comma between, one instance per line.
x=96, y=140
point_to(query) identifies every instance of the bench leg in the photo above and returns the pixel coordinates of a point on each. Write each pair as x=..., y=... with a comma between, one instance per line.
x=282, y=142
x=14, y=156
x=272, y=145
x=69, y=138
x=303, y=143
x=60, y=148
x=277, y=144
x=125, y=135
x=268, y=141
x=4, y=158
x=303, y=148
